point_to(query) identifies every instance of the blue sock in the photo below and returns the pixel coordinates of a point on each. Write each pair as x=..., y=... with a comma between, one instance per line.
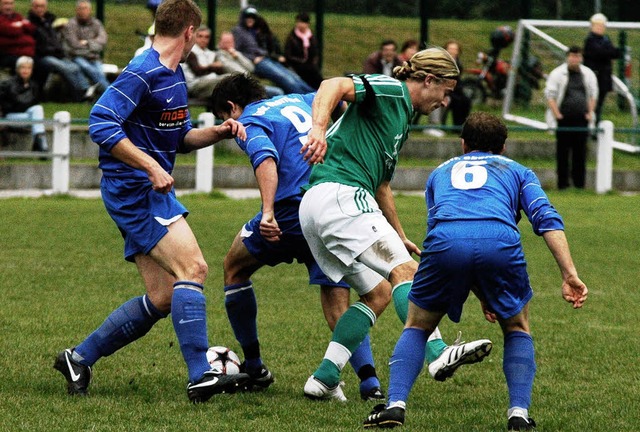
x=362, y=362
x=406, y=363
x=242, y=310
x=189, y=315
x=129, y=322
x=519, y=368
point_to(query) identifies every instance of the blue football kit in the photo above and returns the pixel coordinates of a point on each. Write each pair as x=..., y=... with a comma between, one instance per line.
x=147, y=104
x=277, y=128
x=474, y=203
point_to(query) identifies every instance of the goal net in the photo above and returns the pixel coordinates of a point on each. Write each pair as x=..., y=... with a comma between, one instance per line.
x=531, y=40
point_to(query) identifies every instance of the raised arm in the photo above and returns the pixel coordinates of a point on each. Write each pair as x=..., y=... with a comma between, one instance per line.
x=573, y=289
x=330, y=93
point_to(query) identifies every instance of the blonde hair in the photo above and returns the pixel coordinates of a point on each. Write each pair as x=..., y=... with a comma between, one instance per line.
x=435, y=61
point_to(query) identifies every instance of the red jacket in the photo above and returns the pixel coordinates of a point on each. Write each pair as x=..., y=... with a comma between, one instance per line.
x=16, y=40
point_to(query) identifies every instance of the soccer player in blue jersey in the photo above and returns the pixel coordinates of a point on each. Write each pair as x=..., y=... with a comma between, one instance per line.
x=140, y=123
x=276, y=129
x=474, y=204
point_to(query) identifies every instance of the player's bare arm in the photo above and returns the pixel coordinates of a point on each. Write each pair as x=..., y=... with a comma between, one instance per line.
x=198, y=138
x=384, y=198
x=573, y=289
x=128, y=153
x=267, y=178
x=330, y=93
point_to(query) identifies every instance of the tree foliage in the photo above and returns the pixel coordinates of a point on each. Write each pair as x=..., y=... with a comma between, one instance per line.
x=616, y=10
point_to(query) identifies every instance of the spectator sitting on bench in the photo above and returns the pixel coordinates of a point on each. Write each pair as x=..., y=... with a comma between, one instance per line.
x=50, y=52
x=20, y=98
x=256, y=41
x=234, y=61
x=16, y=35
x=85, y=39
x=202, y=71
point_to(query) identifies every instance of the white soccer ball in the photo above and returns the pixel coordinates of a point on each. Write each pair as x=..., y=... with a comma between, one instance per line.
x=224, y=360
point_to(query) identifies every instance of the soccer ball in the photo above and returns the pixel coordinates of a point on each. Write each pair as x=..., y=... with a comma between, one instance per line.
x=224, y=360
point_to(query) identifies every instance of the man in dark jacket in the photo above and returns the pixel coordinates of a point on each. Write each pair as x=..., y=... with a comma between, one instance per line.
x=384, y=60
x=598, y=53
x=50, y=52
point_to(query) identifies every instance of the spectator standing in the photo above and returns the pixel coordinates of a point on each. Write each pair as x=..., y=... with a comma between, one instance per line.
x=301, y=51
x=202, y=70
x=16, y=35
x=384, y=60
x=140, y=124
x=571, y=92
x=474, y=204
x=50, y=51
x=598, y=53
x=86, y=39
x=459, y=104
x=254, y=39
x=20, y=100
x=234, y=61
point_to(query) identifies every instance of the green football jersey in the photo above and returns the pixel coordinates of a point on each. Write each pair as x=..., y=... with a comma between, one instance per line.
x=363, y=145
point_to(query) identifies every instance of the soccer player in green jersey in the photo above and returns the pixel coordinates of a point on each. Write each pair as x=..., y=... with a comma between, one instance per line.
x=348, y=214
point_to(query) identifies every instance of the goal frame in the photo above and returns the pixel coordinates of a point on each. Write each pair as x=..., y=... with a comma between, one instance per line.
x=533, y=26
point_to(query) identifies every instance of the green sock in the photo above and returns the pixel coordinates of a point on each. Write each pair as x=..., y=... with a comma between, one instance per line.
x=400, y=295
x=434, y=349
x=401, y=303
x=351, y=329
x=328, y=372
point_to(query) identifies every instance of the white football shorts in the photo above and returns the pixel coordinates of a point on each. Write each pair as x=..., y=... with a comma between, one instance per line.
x=349, y=236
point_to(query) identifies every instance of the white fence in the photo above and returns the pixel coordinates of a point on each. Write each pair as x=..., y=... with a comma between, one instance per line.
x=60, y=154
x=61, y=150
x=604, y=155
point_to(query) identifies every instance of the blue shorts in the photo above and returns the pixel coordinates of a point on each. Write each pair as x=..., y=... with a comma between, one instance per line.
x=292, y=244
x=141, y=214
x=460, y=256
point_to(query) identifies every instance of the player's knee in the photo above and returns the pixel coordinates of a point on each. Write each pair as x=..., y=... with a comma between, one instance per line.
x=403, y=273
x=198, y=271
x=161, y=300
x=379, y=298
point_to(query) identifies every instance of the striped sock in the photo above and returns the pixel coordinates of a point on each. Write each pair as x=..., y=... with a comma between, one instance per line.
x=351, y=329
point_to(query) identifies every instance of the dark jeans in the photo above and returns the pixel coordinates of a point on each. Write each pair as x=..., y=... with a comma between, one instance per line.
x=282, y=77
x=571, y=145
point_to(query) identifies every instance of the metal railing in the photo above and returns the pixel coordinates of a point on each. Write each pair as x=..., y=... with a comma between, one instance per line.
x=60, y=153
x=60, y=150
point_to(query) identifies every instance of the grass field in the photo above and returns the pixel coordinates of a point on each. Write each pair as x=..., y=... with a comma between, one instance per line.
x=63, y=272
